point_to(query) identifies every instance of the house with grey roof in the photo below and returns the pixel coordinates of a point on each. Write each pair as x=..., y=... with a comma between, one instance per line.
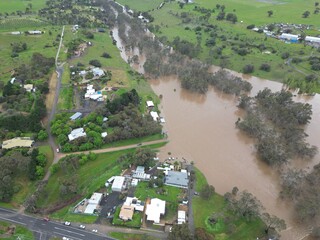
x=177, y=179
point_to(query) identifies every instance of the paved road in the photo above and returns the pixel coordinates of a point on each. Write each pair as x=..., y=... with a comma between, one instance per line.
x=45, y=230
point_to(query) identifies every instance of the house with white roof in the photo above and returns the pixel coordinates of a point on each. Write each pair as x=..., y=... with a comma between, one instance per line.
x=93, y=203
x=181, y=217
x=154, y=115
x=135, y=202
x=76, y=116
x=76, y=133
x=97, y=72
x=155, y=209
x=150, y=104
x=28, y=87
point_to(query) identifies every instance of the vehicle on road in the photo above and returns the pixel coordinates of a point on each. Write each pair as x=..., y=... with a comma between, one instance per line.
x=196, y=193
x=46, y=219
x=67, y=223
x=82, y=226
x=65, y=238
x=94, y=230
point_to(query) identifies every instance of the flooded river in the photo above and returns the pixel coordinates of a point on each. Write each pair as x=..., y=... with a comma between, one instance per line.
x=201, y=128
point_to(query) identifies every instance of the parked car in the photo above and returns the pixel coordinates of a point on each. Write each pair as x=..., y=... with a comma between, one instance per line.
x=67, y=223
x=196, y=193
x=82, y=226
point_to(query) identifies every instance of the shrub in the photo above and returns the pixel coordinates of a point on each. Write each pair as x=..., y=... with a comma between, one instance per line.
x=95, y=63
x=248, y=68
x=285, y=55
x=265, y=67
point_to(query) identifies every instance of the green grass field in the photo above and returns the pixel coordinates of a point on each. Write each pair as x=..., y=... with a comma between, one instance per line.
x=10, y=6
x=202, y=210
x=248, y=12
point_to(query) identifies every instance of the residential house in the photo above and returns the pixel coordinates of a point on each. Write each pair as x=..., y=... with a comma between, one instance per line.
x=177, y=179
x=181, y=217
x=150, y=104
x=139, y=173
x=98, y=72
x=77, y=133
x=154, y=115
x=126, y=212
x=93, y=203
x=28, y=87
x=155, y=210
x=135, y=202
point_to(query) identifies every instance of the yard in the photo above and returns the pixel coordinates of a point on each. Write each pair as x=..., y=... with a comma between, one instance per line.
x=233, y=229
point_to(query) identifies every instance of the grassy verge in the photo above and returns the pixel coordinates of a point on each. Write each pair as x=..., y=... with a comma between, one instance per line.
x=133, y=141
x=66, y=98
x=20, y=232
x=66, y=215
x=235, y=228
x=130, y=236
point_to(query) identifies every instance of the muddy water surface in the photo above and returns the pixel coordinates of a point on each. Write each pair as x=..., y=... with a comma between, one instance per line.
x=201, y=128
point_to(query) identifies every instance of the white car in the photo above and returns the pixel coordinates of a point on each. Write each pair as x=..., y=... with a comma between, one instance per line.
x=82, y=226
x=65, y=238
x=67, y=223
x=94, y=230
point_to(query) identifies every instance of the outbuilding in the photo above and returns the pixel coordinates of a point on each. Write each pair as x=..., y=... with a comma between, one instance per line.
x=76, y=116
x=118, y=183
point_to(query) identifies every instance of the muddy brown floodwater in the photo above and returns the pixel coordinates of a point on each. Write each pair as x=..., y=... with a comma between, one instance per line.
x=201, y=128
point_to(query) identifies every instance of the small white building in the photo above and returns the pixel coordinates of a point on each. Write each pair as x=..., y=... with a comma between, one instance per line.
x=76, y=116
x=118, y=183
x=135, y=202
x=155, y=210
x=312, y=39
x=181, y=217
x=35, y=32
x=154, y=115
x=134, y=182
x=28, y=87
x=150, y=104
x=104, y=134
x=77, y=133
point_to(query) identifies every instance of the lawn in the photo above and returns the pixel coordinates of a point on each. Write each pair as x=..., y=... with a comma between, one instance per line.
x=10, y=6
x=171, y=193
x=130, y=236
x=20, y=232
x=202, y=210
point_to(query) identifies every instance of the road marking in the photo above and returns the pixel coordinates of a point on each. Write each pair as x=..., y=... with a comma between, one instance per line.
x=10, y=220
x=65, y=235
x=69, y=231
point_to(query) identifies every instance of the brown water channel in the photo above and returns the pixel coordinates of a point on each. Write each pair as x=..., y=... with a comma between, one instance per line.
x=201, y=128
